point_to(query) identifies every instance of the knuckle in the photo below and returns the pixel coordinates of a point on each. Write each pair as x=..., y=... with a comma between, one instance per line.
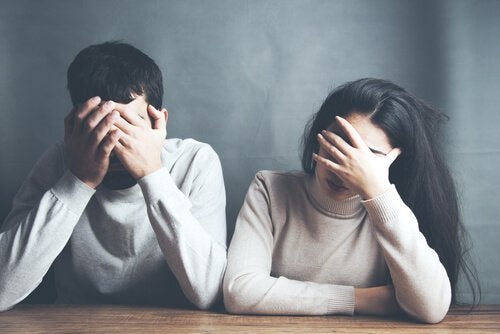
x=79, y=116
x=96, y=136
x=88, y=125
x=107, y=147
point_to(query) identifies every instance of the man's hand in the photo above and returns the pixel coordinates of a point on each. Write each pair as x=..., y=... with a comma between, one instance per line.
x=139, y=147
x=89, y=141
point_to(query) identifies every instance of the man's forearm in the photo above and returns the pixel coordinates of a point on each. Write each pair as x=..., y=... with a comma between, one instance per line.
x=34, y=236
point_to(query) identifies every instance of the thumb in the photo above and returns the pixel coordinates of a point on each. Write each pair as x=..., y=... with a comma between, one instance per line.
x=393, y=155
x=157, y=116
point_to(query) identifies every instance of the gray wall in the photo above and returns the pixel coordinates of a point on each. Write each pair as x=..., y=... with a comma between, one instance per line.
x=245, y=76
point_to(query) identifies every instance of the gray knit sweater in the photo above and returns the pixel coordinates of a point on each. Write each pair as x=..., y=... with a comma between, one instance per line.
x=158, y=242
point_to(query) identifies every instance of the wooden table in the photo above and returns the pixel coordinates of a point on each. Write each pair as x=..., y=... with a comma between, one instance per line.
x=136, y=319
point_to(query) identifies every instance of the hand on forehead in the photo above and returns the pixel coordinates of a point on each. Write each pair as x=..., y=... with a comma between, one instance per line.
x=134, y=111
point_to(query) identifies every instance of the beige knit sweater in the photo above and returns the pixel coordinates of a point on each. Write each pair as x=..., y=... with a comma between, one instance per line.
x=295, y=251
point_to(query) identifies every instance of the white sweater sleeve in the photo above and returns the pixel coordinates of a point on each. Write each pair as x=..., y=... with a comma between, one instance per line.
x=45, y=210
x=191, y=230
x=248, y=285
x=420, y=280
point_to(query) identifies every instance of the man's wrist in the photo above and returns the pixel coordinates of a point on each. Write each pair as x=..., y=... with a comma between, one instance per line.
x=146, y=171
x=89, y=182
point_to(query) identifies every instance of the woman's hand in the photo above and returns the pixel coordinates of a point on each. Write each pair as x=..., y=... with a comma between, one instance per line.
x=378, y=300
x=363, y=171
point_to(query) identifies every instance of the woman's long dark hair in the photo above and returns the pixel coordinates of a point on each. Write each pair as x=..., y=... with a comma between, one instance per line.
x=420, y=173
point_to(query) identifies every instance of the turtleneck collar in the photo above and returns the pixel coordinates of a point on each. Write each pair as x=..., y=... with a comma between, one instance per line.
x=340, y=208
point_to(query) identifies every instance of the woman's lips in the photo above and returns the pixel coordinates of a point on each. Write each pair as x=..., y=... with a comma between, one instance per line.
x=335, y=187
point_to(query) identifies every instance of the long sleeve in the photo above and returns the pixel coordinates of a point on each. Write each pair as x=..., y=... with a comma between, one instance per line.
x=249, y=286
x=422, y=285
x=191, y=229
x=45, y=211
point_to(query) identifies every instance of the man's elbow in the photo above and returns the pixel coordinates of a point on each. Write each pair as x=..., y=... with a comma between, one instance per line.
x=204, y=304
x=5, y=306
x=205, y=297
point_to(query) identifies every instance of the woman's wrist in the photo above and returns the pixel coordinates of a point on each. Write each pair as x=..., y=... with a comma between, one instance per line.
x=379, y=300
x=374, y=190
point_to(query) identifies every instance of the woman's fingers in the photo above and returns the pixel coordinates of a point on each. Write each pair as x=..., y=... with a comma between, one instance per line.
x=337, y=141
x=329, y=164
x=393, y=155
x=333, y=151
x=351, y=133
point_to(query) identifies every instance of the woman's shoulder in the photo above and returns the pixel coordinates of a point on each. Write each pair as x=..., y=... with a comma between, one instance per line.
x=276, y=181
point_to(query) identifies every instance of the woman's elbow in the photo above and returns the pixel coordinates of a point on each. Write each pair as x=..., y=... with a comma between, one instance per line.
x=235, y=301
x=432, y=316
x=431, y=313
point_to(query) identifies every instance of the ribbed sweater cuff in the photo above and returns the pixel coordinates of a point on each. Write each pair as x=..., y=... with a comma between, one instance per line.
x=386, y=207
x=73, y=192
x=341, y=300
x=161, y=185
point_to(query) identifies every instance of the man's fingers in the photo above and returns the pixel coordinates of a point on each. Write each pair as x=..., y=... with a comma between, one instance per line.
x=109, y=143
x=122, y=124
x=86, y=108
x=132, y=117
x=153, y=112
x=159, y=117
x=104, y=128
x=97, y=116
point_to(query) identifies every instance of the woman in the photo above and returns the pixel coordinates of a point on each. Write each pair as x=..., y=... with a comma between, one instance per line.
x=372, y=226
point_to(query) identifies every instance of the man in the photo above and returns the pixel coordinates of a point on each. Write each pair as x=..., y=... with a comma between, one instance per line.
x=124, y=215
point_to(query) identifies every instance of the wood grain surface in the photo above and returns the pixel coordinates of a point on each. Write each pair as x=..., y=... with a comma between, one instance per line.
x=137, y=319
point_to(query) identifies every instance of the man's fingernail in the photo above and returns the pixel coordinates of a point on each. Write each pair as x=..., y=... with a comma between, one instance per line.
x=95, y=99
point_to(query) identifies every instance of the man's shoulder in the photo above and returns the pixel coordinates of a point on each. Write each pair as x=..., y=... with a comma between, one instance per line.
x=177, y=145
x=188, y=153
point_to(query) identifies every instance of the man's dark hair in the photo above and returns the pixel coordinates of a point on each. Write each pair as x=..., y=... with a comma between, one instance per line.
x=114, y=71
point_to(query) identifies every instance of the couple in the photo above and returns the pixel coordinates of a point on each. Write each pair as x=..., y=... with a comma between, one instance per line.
x=126, y=216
